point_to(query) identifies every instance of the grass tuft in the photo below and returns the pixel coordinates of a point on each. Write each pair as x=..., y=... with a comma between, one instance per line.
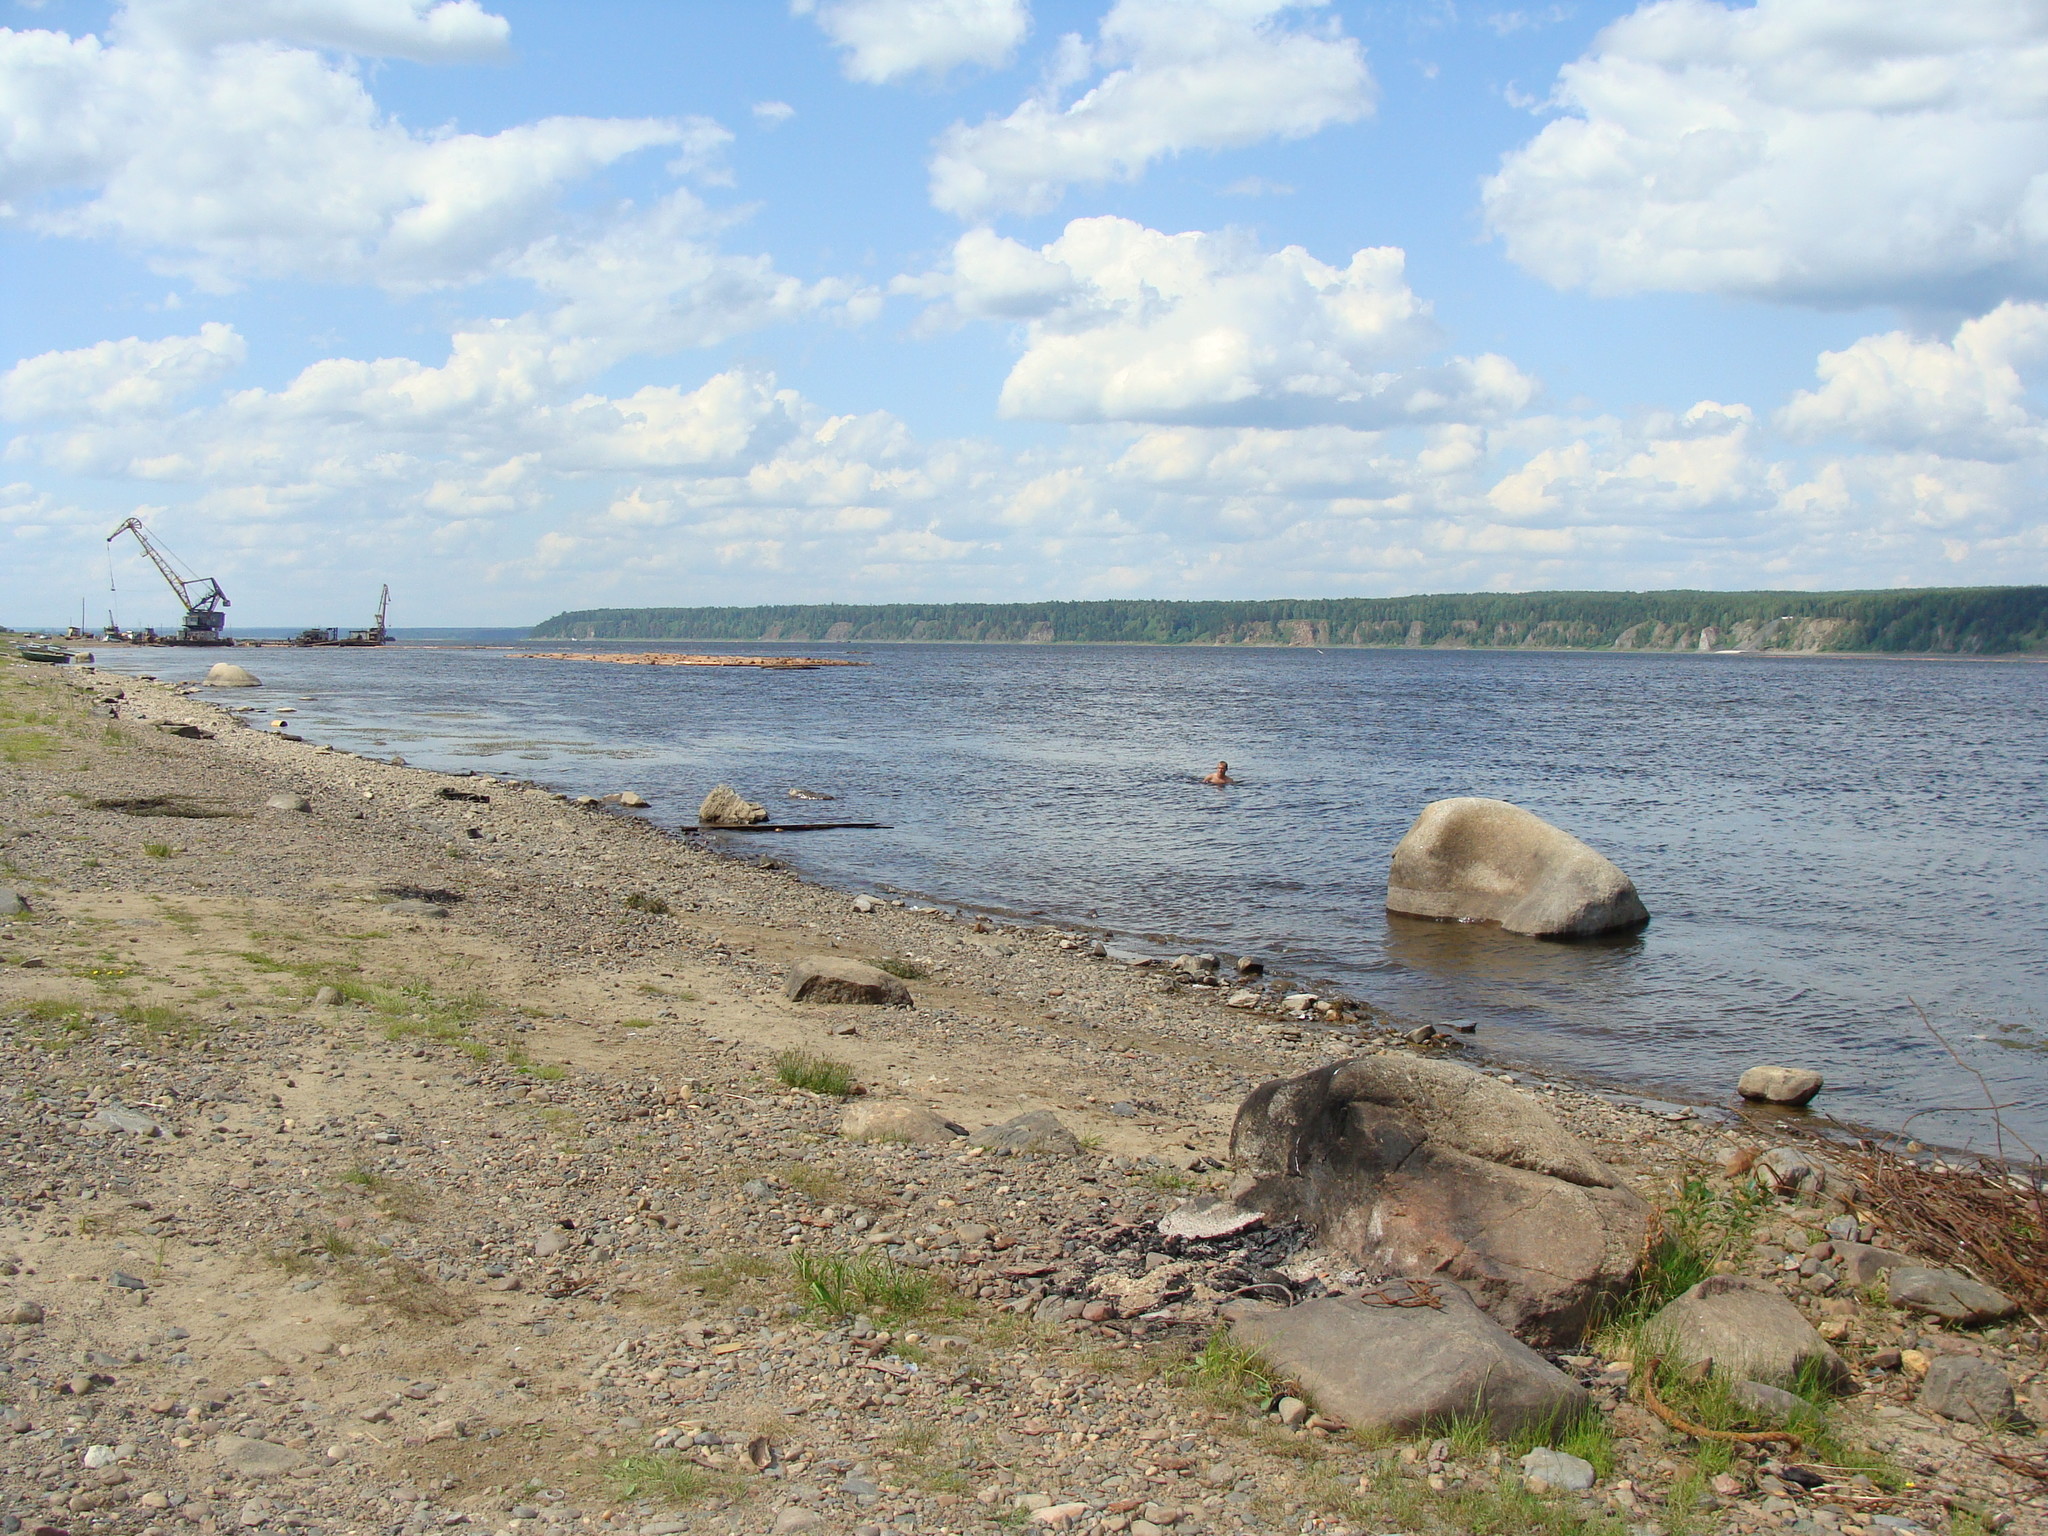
x=654, y=906
x=663, y=1476
x=814, y=1073
x=869, y=1283
x=902, y=970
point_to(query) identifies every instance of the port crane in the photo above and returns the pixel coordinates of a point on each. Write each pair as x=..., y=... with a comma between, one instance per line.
x=201, y=596
x=376, y=634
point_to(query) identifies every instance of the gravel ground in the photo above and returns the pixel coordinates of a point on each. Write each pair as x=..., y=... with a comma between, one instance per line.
x=502, y=1227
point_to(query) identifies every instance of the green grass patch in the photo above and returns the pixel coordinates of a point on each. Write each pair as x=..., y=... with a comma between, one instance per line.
x=158, y=850
x=814, y=1073
x=866, y=1283
x=654, y=906
x=667, y=1477
x=730, y=1272
x=636, y=1023
x=1230, y=1375
x=903, y=970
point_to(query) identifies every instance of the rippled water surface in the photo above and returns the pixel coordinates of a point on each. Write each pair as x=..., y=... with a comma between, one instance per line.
x=1827, y=847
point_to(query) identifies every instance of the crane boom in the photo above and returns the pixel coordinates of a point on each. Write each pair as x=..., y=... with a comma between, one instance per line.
x=200, y=596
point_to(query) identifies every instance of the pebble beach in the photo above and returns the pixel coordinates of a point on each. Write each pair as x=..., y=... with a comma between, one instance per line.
x=384, y=1150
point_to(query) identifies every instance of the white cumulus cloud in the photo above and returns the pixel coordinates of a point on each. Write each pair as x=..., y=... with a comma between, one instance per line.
x=886, y=40
x=1163, y=76
x=408, y=29
x=1966, y=397
x=252, y=159
x=1123, y=323
x=119, y=378
x=1822, y=151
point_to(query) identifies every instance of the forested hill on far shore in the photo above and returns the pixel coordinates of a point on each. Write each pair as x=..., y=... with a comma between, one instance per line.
x=1977, y=621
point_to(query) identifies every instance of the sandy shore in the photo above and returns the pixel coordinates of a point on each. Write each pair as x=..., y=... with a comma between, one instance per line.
x=505, y=1234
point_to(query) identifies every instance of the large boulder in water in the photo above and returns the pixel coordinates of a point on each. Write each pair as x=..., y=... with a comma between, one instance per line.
x=724, y=808
x=1485, y=861
x=1426, y=1168
x=225, y=674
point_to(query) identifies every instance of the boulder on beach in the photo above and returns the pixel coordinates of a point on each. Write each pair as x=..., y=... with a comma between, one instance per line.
x=297, y=803
x=13, y=903
x=1417, y=1166
x=1970, y=1390
x=1779, y=1085
x=897, y=1120
x=1746, y=1330
x=1400, y=1369
x=225, y=674
x=1039, y=1133
x=836, y=979
x=1471, y=860
x=724, y=808
x=1945, y=1294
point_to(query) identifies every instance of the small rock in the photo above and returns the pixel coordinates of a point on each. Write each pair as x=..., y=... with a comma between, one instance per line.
x=1059, y=1516
x=1859, y=1264
x=723, y=808
x=127, y=1282
x=1772, y=1404
x=1557, y=1470
x=184, y=729
x=13, y=903
x=225, y=674
x=288, y=803
x=1208, y=1216
x=1298, y=1002
x=863, y=903
x=1038, y=1133
x=327, y=997
x=1779, y=1085
x=897, y=1120
x=1971, y=1391
x=793, y=1519
x=116, y=1116
x=1249, y=966
x=255, y=1458
x=26, y=1312
x=1945, y=1294
x=632, y=801
x=836, y=979
x=1291, y=1411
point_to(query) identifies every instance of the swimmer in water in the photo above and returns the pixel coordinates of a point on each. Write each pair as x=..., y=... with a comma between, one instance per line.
x=1220, y=776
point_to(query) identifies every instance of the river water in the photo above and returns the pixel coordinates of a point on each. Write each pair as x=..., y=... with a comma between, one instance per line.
x=1829, y=848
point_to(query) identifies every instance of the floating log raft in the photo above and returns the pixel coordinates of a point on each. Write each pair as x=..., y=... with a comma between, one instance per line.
x=684, y=659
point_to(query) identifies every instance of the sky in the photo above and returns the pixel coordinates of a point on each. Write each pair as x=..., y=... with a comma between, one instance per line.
x=526, y=307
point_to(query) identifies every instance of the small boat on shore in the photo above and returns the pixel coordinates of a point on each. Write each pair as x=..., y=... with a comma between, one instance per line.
x=30, y=650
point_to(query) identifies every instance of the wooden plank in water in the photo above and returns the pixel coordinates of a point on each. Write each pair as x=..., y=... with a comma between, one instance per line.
x=799, y=826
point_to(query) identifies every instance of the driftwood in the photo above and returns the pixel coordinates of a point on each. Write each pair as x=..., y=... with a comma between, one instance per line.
x=795, y=826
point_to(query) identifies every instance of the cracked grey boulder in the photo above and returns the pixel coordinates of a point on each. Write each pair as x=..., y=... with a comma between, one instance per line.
x=1421, y=1167
x=836, y=979
x=1471, y=860
x=1399, y=1369
x=1747, y=1330
x=1970, y=1391
x=1947, y=1295
x=13, y=903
